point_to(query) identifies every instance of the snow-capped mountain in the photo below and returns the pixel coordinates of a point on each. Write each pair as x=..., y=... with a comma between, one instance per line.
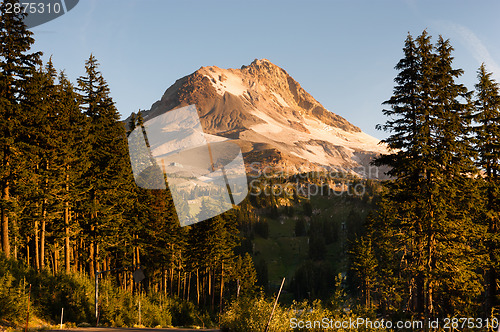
x=272, y=118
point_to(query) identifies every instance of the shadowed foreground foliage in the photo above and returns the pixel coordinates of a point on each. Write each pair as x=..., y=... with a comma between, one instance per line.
x=75, y=293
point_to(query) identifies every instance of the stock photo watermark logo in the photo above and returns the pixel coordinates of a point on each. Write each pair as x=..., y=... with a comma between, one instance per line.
x=40, y=11
x=324, y=181
x=204, y=178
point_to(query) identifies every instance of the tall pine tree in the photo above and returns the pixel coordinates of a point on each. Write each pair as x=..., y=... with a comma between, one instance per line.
x=487, y=116
x=108, y=178
x=17, y=65
x=432, y=193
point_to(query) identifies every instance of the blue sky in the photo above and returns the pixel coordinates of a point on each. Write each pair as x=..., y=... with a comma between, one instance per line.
x=342, y=52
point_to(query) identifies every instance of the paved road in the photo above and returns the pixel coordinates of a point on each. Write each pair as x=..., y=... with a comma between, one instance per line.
x=120, y=329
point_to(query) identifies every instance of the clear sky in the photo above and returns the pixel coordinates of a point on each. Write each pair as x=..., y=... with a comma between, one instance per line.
x=341, y=52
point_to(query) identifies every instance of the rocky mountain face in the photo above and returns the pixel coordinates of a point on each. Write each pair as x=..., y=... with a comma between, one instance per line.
x=273, y=119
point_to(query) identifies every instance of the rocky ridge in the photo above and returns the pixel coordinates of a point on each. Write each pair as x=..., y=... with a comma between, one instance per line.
x=273, y=119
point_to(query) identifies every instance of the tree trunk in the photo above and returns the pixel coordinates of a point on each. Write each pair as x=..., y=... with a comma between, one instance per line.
x=44, y=224
x=105, y=264
x=93, y=231
x=91, y=256
x=221, y=289
x=171, y=280
x=209, y=274
x=78, y=257
x=164, y=281
x=28, y=263
x=67, y=259
x=179, y=283
x=184, y=287
x=15, y=240
x=189, y=286
x=212, y=303
x=138, y=257
x=97, y=267
x=429, y=305
x=42, y=242
x=37, y=248
x=197, y=287
x=56, y=259
x=66, y=239
x=5, y=221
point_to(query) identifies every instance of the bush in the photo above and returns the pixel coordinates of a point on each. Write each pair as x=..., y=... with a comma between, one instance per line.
x=13, y=300
x=183, y=313
x=121, y=308
x=75, y=293
x=252, y=314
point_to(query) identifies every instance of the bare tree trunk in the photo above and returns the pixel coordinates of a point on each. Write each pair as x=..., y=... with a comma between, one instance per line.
x=77, y=252
x=44, y=224
x=209, y=279
x=92, y=255
x=137, y=251
x=15, y=240
x=189, y=286
x=105, y=264
x=164, y=280
x=37, y=248
x=172, y=269
x=184, y=287
x=171, y=280
x=66, y=239
x=5, y=221
x=28, y=263
x=221, y=288
x=56, y=259
x=96, y=255
x=131, y=285
x=213, y=291
x=66, y=227
x=197, y=287
x=42, y=242
x=179, y=282
x=209, y=274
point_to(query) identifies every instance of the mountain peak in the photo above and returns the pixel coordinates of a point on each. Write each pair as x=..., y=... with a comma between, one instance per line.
x=261, y=62
x=263, y=65
x=271, y=116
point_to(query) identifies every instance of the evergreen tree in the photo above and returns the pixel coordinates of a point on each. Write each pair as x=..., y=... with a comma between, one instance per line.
x=364, y=264
x=73, y=128
x=432, y=191
x=456, y=197
x=245, y=274
x=42, y=150
x=487, y=115
x=17, y=65
x=108, y=176
x=211, y=247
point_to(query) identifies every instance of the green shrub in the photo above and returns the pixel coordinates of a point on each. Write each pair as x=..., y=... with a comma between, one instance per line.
x=13, y=299
x=75, y=293
x=252, y=314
